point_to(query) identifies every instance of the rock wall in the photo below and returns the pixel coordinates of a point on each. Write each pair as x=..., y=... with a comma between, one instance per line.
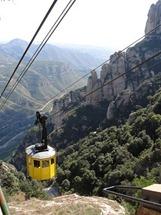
x=114, y=68
x=154, y=18
x=93, y=84
x=124, y=63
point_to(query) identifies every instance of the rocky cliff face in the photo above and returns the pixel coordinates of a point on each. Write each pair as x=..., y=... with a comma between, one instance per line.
x=154, y=18
x=116, y=66
x=93, y=84
x=120, y=90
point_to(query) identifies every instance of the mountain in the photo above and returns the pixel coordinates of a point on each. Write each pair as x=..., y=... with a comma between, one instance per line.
x=55, y=69
x=79, y=58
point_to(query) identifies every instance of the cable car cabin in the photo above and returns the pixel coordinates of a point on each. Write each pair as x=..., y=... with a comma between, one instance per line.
x=41, y=158
x=41, y=163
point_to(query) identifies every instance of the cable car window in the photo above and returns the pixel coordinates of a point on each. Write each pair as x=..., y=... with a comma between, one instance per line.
x=45, y=163
x=36, y=163
x=52, y=160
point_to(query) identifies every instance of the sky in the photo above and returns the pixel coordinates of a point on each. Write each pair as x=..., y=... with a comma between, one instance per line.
x=101, y=23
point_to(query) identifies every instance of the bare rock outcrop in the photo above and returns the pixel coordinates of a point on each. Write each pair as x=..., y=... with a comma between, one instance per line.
x=69, y=204
x=154, y=18
x=123, y=99
x=6, y=168
x=116, y=66
x=93, y=97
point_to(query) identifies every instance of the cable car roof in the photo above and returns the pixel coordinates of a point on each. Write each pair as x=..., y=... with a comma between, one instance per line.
x=50, y=152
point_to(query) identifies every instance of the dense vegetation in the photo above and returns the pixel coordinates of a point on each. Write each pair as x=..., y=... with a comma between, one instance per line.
x=79, y=124
x=125, y=154
x=13, y=182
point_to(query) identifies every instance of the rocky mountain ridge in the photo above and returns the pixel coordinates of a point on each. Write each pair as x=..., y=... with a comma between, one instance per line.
x=153, y=20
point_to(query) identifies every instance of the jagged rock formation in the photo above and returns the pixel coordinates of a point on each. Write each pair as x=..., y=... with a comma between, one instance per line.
x=120, y=63
x=154, y=17
x=93, y=84
x=123, y=63
x=122, y=100
x=69, y=204
x=116, y=66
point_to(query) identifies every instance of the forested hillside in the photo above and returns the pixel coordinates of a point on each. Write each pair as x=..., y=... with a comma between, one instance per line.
x=124, y=154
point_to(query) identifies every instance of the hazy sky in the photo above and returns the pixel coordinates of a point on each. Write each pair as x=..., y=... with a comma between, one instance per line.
x=107, y=23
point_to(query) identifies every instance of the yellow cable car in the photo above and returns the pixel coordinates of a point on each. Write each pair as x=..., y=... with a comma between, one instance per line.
x=41, y=158
x=41, y=165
